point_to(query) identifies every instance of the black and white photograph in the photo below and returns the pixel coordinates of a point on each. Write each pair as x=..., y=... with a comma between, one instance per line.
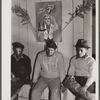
x=53, y=50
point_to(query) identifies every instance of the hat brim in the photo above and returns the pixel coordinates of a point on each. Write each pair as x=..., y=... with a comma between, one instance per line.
x=82, y=46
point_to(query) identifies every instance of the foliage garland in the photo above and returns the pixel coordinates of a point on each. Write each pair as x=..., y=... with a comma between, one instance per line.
x=80, y=10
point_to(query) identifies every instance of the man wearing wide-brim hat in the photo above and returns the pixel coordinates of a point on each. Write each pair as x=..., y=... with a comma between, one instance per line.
x=81, y=72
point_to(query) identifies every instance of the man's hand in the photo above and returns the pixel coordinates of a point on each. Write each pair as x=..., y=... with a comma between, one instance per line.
x=33, y=85
x=63, y=89
x=14, y=79
x=71, y=77
x=84, y=88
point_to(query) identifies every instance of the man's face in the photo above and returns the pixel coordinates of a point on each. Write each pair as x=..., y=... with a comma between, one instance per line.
x=18, y=52
x=50, y=51
x=81, y=51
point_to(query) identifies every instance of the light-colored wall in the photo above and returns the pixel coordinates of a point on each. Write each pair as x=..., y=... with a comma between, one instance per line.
x=78, y=28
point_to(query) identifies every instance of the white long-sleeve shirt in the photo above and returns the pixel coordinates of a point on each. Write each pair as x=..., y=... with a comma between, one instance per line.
x=49, y=67
x=83, y=67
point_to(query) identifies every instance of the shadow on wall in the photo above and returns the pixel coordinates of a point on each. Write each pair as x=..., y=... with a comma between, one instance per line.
x=35, y=48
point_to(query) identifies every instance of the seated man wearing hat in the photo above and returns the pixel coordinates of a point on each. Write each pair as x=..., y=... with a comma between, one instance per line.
x=81, y=72
x=20, y=69
x=49, y=72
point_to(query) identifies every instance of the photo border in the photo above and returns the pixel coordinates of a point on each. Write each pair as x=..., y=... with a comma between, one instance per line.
x=6, y=48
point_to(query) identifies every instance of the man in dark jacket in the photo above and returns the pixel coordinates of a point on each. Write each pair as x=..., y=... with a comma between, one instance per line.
x=20, y=69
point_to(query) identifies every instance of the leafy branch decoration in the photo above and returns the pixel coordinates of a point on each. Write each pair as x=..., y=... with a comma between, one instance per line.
x=23, y=13
x=80, y=10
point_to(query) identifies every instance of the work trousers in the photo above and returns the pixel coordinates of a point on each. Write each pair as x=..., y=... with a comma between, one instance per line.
x=52, y=83
x=75, y=84
x=82, y=81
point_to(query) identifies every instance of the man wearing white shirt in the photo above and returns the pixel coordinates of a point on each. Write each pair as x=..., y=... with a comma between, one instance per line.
x=82, y=68
x=49, y=72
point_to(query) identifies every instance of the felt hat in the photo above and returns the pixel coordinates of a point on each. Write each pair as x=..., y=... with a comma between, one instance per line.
x=82, y=43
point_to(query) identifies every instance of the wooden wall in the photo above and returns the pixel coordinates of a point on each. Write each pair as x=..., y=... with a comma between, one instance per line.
x=78, y=28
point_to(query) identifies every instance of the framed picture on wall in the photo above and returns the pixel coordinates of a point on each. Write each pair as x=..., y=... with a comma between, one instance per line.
x=48, y=20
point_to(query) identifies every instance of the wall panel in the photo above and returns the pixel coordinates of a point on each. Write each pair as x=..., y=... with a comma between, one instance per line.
x=88, y=30
x=23, y=28
x=15, y=24
x=77, y=24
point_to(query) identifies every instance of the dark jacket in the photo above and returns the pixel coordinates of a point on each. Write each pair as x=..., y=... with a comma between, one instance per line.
x=22, y=67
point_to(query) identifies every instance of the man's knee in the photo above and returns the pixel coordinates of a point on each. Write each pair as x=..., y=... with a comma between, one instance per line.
x=34, y=91
x=35, y=94
x=55, y=95
x=56, y=91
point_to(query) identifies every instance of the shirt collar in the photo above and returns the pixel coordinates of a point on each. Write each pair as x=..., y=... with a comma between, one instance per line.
x=54, y=55
x=82, y=57
x=16, y=57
